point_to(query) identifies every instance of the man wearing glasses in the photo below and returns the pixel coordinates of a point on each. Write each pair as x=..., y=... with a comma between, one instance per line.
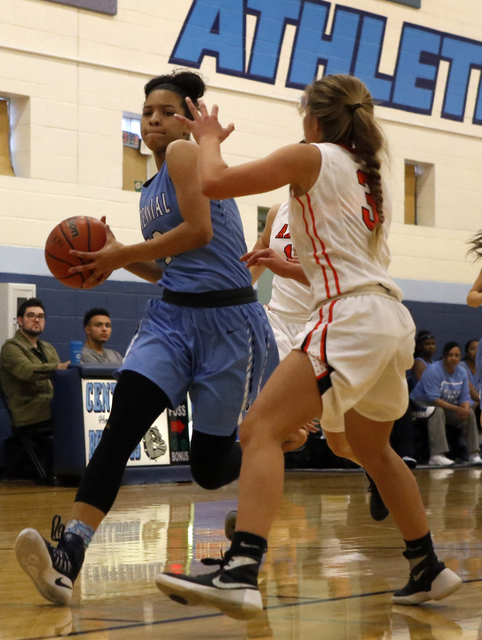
x=26, y=368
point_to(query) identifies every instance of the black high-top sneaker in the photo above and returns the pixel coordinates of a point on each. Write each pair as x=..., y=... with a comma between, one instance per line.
x=233, y=589
x=378, y=510
x=53, y=570
x=429, y=580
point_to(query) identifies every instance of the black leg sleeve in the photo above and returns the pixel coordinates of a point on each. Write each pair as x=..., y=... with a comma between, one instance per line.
x=215, y=460
x=136, y=404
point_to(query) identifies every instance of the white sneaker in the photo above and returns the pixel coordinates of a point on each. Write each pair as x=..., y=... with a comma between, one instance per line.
x=439, y=460
x=475, y=459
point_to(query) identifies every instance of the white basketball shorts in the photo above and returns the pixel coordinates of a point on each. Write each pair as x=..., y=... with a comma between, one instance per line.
x=360, y=347
x=285, y=333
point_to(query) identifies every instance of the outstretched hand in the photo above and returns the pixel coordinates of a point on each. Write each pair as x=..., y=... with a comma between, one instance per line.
x=267, y=258
x=204, y=125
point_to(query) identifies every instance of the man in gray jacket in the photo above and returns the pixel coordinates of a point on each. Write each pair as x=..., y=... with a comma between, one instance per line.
x=27, y=365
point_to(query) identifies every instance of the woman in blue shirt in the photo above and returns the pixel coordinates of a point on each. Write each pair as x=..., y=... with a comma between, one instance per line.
x=469, y=364
x=445, y=386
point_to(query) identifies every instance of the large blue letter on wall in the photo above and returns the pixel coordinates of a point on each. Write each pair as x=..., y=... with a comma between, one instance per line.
x=268, y=37
x=368, y=58
x=417, y=68
x=313, y=48
x=463, y=55
x=213, y=28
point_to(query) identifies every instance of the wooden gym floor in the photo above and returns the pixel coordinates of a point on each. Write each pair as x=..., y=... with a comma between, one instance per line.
x=328, y=573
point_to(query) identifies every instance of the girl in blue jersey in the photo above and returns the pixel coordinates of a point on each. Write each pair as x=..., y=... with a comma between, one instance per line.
x=206, y=334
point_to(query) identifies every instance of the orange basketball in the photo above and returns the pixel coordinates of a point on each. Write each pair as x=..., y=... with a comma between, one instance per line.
x=82, y=234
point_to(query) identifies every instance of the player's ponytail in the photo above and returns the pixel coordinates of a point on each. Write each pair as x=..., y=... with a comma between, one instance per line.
x=183, y=82
x=345, y=110
x=475, y=243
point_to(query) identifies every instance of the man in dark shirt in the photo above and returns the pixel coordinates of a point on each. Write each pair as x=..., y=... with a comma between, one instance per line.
x=26, y=368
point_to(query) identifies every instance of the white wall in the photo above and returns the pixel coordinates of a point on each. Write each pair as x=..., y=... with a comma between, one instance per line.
x=73, y=72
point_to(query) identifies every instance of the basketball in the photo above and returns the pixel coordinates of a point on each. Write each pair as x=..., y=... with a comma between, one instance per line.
x=81, y=233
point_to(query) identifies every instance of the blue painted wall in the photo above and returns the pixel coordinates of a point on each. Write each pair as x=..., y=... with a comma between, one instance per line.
x=66, y=308
x=126, y=300
x=447, y=322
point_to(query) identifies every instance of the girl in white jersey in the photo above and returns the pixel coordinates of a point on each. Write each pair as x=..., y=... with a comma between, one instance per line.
x=291, y=300
x=350, y=364
x=288, y=311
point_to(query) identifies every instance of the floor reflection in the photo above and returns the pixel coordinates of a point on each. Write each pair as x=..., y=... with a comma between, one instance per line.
x=328, y=572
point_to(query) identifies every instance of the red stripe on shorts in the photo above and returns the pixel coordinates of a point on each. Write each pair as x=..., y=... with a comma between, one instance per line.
x=310, y=335
x=323, y=335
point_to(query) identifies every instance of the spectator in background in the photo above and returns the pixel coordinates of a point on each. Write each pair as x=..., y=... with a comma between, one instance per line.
x=445, y=385
x=98, y=327
x=469, y=365
x=27, y=365
x=425, y=347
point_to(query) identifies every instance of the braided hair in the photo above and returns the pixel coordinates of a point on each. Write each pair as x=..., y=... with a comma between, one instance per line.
x=345, y=110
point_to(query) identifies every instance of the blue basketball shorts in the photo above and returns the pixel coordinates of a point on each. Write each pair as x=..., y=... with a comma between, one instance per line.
x=222, y=357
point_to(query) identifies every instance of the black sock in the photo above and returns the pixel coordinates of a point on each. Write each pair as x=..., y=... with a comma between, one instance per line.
x=248, y=544
x=418, y=550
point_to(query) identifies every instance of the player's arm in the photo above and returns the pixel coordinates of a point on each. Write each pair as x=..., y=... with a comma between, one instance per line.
x=263, y=242
x=285, y=268
x=263, y=257
x=297, y=164
x=474, y=298
x=149, y=271
x=194, y=231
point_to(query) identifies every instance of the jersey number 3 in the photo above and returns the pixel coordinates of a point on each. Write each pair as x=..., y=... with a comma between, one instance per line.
x=370, y=214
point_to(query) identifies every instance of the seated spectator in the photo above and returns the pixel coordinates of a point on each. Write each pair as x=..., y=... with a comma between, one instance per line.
x=26, y=368
x=469, y=364
x=445, y=385
x=98, y=328
x=425, y=347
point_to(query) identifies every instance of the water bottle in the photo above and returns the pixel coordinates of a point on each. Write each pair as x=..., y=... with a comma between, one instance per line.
x=75, y=351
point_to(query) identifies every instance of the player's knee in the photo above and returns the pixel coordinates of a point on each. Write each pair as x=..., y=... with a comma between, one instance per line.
x=246, y=434
x=255, y=433
x=207, y=476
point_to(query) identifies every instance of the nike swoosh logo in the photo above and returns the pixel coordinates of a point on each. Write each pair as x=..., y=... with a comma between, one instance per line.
x=248, y=546
x=59, y=583
x=231, y=585
x=231, y=331
x=419, y=575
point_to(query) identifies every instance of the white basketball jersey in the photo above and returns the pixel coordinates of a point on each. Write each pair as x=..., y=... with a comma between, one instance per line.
x=291, y=299
x=331, y=229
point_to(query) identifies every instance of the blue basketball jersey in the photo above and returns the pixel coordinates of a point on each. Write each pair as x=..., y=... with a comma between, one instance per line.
x=215, y=266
